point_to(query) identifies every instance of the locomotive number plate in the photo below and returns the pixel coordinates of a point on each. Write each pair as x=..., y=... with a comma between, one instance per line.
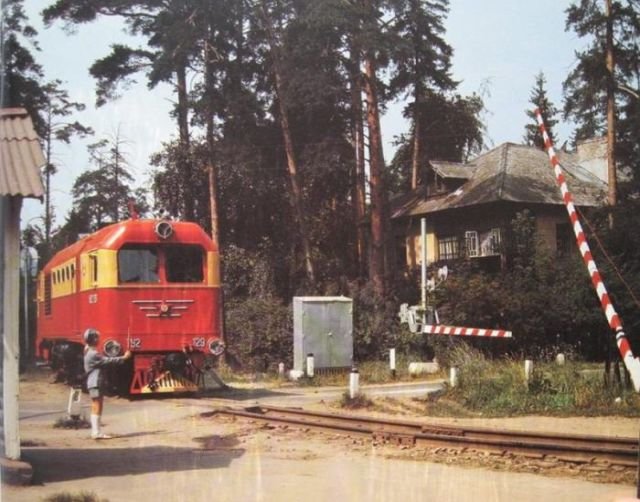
x=199, y=342
x=135, y=343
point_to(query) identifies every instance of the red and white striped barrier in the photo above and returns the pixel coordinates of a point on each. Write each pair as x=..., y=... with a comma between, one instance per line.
x=417, y=324
x=632, y=363
x=439, y=329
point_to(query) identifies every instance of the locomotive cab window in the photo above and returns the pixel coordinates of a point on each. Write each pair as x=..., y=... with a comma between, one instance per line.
x=184, y=263
x=138, y=263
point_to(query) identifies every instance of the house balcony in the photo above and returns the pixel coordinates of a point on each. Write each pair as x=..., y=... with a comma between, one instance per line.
x=472, y=244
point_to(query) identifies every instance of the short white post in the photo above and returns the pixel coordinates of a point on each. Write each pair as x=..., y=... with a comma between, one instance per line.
x=528, y=369
x=453, y=376
x=75, y=394
x=281, y=370
x=310, y=367
x=354, y=378
x=392, y=362
x=560, y=359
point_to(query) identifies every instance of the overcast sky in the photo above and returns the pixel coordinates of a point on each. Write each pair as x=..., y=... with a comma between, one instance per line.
x=499, y=47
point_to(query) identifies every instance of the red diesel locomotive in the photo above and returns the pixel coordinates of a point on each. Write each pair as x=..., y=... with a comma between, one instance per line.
x=149, y=286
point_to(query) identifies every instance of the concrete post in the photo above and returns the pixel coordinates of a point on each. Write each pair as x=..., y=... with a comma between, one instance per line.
x=528, y=370
x=310, y=365
x=453, y=377
x=354, y=383
x=392, y=362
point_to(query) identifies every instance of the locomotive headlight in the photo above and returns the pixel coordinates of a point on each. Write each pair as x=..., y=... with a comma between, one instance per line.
x=216, y=347
x=164, y=230
x=112, y=348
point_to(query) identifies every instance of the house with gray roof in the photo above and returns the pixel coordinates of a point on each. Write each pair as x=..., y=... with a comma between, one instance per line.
x=468, y=206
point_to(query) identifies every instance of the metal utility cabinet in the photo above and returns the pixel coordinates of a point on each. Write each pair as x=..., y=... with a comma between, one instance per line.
x=322, y=326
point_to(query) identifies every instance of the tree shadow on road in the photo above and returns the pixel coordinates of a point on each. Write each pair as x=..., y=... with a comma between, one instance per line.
x=53, y=465
x=242, y=394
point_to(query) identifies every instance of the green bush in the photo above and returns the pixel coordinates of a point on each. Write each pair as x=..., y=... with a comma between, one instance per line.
x=259, y=333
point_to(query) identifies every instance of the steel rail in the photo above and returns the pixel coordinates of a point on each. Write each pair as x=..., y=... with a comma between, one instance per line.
x=570, y=447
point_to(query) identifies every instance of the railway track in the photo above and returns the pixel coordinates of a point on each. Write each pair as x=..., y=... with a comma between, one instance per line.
x=580, y=449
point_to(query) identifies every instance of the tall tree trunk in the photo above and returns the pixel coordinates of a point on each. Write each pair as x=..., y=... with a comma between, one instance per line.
x=183, y=130
x=612, y=176
x=376, y=183
x=417, y=141
x=116, y=174
x=47, y=191
x=358, y=189
x=211, y=171
x=292, y=166
x=611, y=119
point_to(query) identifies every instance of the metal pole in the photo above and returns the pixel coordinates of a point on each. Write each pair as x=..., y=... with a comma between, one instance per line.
x=423, y=289
x=27, y=267
x=638, y=473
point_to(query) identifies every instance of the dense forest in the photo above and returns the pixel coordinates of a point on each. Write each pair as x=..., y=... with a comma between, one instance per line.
x=279, y=156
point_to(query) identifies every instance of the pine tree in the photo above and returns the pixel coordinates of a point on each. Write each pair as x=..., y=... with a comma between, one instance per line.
x=586, y=87
x=422, y=64
x=171, y=38
x=539, y=99
x=20, y=74
x=101, y=195
x=56, y=127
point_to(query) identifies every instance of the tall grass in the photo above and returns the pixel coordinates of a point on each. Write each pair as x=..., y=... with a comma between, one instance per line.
x=371, y=372
x=498, y=388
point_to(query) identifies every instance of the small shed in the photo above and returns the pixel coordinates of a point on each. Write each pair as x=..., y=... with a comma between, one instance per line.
x=323, y=326
x=20, y=161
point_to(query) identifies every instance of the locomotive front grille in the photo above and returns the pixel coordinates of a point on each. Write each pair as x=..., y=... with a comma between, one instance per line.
x=163, y=308
x=168, y=382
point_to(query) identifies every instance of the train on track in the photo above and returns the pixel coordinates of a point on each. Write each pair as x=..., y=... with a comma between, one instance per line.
x=148, y=286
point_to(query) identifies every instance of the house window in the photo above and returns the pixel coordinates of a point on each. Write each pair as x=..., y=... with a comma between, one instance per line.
x=448, y=248
x=471, y=243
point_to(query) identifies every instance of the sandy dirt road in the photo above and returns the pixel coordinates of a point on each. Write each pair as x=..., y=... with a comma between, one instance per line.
x=165, y=450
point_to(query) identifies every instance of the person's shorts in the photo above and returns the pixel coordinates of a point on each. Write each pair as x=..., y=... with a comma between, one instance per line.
x=94, y=393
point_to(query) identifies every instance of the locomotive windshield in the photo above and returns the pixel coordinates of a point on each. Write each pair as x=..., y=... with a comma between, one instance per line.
x=183, y=263
x=138, y=263
x=141, y=263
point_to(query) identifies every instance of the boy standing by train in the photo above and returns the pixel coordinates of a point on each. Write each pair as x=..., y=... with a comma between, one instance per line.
x=94, y=361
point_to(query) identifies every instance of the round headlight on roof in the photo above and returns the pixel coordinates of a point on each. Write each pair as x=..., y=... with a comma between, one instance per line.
x=164, y=230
